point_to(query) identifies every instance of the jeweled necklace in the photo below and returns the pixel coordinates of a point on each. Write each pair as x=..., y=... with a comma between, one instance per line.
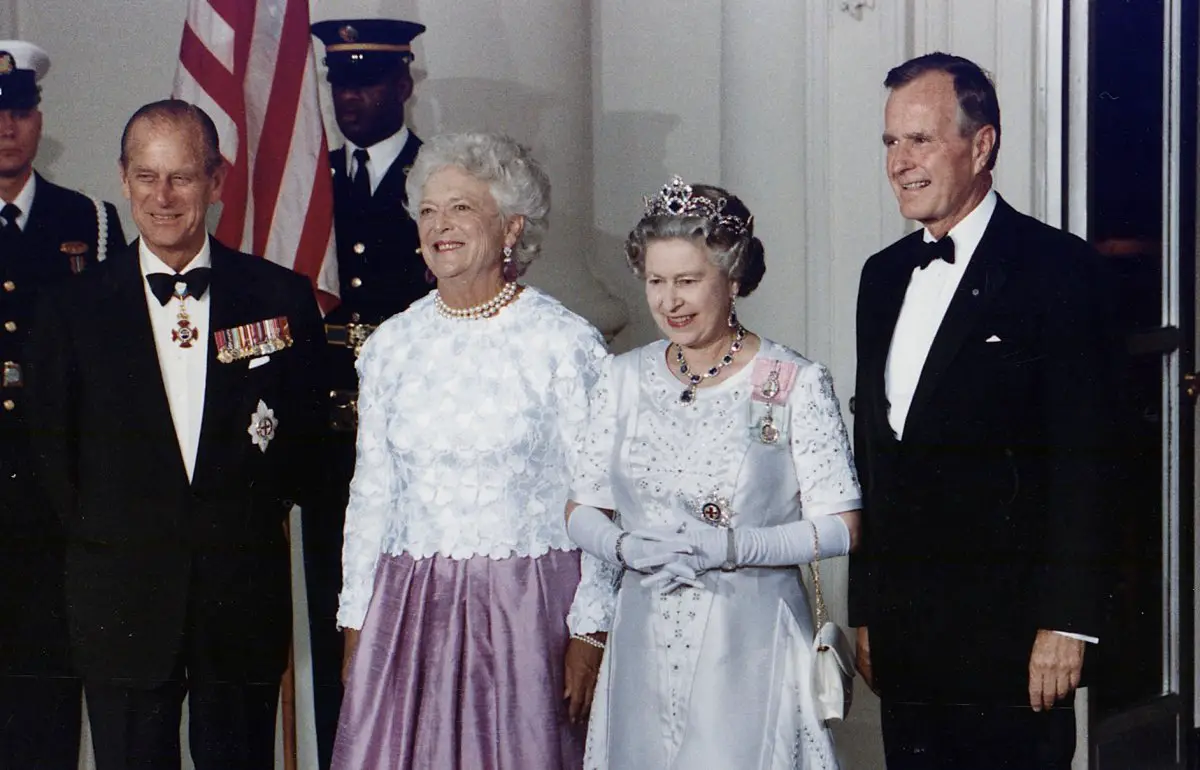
x=689, y=393
x=485, y=310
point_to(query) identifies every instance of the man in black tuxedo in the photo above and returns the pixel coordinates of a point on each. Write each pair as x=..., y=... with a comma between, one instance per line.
x=380, y=274
x=47, y=234
x=177, y=405
x=984, y=427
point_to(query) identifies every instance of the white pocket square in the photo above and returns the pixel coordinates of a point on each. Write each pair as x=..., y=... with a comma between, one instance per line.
x=992, y=338
x=256, y=362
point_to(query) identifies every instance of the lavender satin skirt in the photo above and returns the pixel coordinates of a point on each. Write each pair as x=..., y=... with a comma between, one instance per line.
x=460, y=666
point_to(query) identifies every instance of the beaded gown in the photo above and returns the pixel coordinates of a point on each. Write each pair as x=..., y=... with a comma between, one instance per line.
x=714, y=677
x=457, y=566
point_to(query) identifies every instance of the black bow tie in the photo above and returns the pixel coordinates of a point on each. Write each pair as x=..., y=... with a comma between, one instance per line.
x=927, y=252
x=196, y=280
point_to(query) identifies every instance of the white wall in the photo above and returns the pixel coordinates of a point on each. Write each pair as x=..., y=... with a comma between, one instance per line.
x=779, y=100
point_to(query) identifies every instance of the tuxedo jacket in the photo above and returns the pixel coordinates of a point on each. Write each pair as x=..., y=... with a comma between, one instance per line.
x=990, y=519
x=161, y=571
x=60, y=239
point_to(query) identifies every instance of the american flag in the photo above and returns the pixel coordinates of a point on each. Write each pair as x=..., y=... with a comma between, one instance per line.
x=249, y=64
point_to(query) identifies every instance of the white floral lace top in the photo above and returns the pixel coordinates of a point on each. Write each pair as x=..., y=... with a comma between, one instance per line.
x=468, y=430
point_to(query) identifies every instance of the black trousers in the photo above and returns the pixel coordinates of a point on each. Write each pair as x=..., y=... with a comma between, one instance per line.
x=974, y=737
x=322, y=541
x=231, y=726
x=40, y=721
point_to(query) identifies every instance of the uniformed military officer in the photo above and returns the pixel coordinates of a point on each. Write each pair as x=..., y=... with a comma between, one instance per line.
x=381, y=274
x=47, y=234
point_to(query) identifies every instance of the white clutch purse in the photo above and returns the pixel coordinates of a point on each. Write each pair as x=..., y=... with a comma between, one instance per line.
x=832, y=658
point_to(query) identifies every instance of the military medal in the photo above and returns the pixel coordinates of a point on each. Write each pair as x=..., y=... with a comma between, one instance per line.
x=76, y=252
x=260, y=338
x=184, y=334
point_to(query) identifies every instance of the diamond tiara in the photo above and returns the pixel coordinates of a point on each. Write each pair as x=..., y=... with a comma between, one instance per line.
x=676, y=199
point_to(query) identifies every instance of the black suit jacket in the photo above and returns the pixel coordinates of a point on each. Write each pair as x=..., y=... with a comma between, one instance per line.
x=990, y=519
x=60, y=239
x=160, y=570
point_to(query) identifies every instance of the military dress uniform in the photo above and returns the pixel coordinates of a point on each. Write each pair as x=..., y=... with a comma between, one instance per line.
x=66, y=233
x=381, y=273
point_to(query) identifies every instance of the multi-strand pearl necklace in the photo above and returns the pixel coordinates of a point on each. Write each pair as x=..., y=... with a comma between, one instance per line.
x=689, y=393
x=485, y=310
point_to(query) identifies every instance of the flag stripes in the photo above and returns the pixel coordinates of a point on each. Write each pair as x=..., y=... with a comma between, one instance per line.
x=250, y=65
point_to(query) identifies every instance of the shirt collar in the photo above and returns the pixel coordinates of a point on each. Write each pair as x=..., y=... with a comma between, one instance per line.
x=24, y=200
x=151, y=263
x=382, y=154
x=969, y=232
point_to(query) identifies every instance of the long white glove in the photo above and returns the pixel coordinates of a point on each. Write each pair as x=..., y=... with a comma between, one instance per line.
x=596, y=533
x=781, y=545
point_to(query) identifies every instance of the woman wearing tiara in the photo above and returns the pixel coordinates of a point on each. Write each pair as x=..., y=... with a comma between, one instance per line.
x=472, y=641
x=728, y=462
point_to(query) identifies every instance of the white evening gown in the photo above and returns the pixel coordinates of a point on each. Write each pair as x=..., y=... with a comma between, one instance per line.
x=715, y=678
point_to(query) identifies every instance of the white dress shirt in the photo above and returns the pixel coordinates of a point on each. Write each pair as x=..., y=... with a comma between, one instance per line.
x=24, y=201
x=925, y=303
x=183, y=369
x=381, y=156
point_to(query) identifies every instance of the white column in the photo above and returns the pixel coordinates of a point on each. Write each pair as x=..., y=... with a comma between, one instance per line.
x=764, y=110
x=655, y=66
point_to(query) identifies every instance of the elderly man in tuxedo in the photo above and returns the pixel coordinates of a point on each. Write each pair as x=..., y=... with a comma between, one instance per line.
x=175, y=393
x=984, y=425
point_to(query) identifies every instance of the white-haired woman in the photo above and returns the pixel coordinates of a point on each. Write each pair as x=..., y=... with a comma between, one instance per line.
x=471, y=640
x=729, y=450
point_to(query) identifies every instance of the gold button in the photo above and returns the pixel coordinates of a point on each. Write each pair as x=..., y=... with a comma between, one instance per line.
x=355, y=282
x=10, y=286
x=9, y=405
x=360, y=248
x=10, y=326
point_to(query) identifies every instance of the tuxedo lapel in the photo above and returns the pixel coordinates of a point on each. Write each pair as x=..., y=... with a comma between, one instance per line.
x=980, y=285
x=887, y=298
x=221, y=381
x=132, y=331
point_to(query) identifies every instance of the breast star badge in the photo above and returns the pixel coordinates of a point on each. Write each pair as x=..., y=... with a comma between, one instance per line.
x=263, y=425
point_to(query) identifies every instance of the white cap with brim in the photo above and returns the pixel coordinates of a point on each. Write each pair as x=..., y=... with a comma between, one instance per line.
x=22, y=65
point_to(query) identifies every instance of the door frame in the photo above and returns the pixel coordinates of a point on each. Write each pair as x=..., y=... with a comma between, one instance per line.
x=1180, y=702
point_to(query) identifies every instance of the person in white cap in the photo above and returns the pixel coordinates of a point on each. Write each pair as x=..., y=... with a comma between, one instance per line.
x=47, y=234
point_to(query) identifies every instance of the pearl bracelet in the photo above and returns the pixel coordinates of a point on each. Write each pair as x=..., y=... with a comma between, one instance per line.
x=589, y=640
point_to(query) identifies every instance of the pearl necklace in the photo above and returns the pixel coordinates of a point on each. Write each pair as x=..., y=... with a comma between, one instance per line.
x=689, y=393
x=485, y=310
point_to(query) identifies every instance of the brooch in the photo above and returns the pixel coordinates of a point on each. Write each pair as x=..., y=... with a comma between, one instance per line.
x=712, y=509
x=263, y=425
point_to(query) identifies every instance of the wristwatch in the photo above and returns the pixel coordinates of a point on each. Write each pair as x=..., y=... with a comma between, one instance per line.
x=730, y=563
